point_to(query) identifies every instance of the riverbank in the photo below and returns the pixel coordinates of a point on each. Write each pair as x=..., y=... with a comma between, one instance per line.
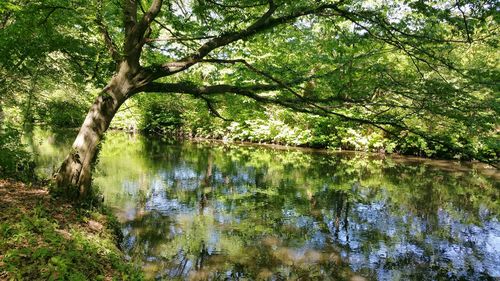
x=490, y=165
x=42, y=238
x=486, y=168
x=374, y=154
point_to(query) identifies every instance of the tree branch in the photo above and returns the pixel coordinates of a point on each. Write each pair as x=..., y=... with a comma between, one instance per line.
x=469, y=39
x=236, y=6
x=148, y=17
x=136, y=31
x=212, y=109
x=130, y=16
x=265, y=22
x=191, y=88
x=294, y=104
x=252, y=91
x=52, y=10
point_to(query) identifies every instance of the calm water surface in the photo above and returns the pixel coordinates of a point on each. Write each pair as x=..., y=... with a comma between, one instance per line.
x=200, y=211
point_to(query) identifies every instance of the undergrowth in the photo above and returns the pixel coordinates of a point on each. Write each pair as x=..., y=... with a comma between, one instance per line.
x=42, y=238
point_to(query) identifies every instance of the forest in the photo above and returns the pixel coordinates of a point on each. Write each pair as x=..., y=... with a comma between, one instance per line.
x=159, y=139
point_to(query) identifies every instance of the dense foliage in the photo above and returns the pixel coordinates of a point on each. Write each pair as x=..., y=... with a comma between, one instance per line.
x=411, y=77
x=247, y=121
x=16, y=161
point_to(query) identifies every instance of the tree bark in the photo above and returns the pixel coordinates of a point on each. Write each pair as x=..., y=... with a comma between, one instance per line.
x=74, y=177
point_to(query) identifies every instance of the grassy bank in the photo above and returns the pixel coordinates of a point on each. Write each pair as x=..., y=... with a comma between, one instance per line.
x=42, y=238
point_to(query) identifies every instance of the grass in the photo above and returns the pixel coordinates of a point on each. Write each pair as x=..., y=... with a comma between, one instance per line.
x=42, y=238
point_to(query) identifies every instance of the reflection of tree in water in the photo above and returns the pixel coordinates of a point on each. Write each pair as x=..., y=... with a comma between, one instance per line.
x=232, y=212
x=205, y=184
x=337, y=218
x=228, y=212
x=211, y=189
x=145, y=232
x=48, y=146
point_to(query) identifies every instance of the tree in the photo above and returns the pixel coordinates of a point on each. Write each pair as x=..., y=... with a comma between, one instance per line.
x=389, y=64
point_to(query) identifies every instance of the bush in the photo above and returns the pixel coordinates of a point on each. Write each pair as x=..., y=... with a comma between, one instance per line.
x=162, y=116
x=61, y=113
x=178, y=115
x=15, y=161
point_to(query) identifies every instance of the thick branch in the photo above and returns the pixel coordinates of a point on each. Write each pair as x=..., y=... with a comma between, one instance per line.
x=294, y=104
x=136, y=33
x=190, y=88
x=130, y=15
x=252, y=91
x=148, y=17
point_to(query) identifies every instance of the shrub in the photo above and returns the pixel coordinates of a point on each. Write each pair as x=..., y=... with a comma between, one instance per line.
x=62, y=113
x=15, y=161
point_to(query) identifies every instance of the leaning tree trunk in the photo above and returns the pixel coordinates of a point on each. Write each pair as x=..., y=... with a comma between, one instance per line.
x=73, y=179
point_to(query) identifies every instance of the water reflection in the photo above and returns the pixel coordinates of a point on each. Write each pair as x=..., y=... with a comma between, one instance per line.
x=204, y=211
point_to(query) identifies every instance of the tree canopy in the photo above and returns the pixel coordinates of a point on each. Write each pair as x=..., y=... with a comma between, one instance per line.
x=416, y=70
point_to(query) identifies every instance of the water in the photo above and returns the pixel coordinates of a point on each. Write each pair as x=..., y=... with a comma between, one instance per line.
x=198, y=211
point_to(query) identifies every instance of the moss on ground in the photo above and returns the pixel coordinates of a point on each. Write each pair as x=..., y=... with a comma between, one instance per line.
x=42, y=238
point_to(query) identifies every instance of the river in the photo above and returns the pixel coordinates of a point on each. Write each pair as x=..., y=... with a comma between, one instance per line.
x=204, y=210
